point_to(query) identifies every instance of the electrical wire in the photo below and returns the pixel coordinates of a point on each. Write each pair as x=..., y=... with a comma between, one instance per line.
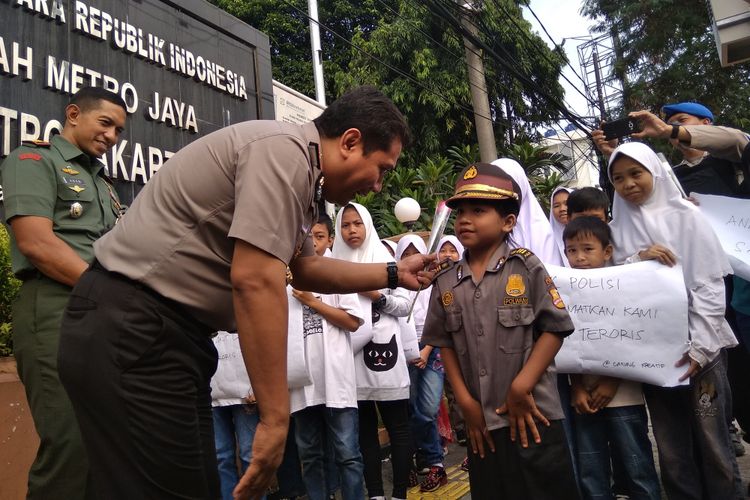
x=528, y=6
x=440, y=9
x=523, y=33
x=394, y=69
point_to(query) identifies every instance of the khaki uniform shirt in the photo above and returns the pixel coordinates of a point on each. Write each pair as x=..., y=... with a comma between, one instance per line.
x=58, y=181
x=492, y=326
x=253, y=181
x=722, y=142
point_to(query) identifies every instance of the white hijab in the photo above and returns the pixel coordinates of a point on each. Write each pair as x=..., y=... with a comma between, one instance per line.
x=372, y=250
x=410, y=239
x=557, y=228
x=390, y=244
x=667, y=219
x=449, y=238
x=533, y=230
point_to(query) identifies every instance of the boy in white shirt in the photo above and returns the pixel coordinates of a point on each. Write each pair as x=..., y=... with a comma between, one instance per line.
x=325, y=412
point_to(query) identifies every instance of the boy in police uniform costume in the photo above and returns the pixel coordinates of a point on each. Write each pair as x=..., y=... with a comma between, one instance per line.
x=57, y=202
x=499, y=321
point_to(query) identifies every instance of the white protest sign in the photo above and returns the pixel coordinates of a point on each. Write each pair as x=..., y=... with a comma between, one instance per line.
x=631, y=321
x=730, y=220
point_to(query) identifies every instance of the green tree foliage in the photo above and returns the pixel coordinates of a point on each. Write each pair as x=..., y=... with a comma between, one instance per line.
x=287, y=26
x=9, y=286
x=433, y=180
x=668, y=52
x=416, y=58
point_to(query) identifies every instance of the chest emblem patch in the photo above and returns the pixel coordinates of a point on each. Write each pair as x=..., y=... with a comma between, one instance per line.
x=76, y=210
x=556, y=299
x=76, y=188
x=70, y=171
x=515, y=285
x=447, y=298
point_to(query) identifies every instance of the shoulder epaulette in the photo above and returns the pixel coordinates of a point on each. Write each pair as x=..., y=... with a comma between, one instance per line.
x=524, y=253
x=37, y=144
x=444, y=266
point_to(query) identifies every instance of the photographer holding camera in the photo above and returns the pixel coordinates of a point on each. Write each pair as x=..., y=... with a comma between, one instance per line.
x=712, y=156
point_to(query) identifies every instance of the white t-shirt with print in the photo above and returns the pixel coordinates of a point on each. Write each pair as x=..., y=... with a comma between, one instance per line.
x=329, y=353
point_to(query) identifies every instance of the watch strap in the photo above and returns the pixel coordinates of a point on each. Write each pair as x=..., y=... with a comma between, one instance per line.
x=675, y=132
x=392, y=270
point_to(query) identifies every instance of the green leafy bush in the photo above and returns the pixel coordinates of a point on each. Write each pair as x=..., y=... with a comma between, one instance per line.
x=9, y=286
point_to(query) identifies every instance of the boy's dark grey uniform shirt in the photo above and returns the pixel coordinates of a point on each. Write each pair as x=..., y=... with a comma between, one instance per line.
x=492, y=326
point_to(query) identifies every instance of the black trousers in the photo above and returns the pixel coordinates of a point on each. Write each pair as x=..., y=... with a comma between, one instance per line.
x=395, y=415
x=137, y=369
x=542, y=471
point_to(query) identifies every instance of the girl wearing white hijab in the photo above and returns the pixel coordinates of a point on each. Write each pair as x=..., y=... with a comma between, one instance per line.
x=427, y=376
x=651, y=220
x=382, y=374
x=454, y=250
x=558, y=217
x=389, y=245
x=532, y=230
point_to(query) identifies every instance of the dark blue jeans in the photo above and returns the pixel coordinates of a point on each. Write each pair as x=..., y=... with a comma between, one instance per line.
x=621, y=432
x=234, y=427
x=425, y=393
x=696, y=457
x=319, y=429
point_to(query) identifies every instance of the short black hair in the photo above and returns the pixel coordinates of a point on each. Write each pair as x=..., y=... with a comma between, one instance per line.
x=506, y=207
x=326, y=221
x=371, y=112
x=88, y=98
x=587, y=198
x=588, y=226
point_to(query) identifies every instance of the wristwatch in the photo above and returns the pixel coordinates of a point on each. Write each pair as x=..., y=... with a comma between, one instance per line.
x=675, y=132
x=392, y=269
x=379, y=304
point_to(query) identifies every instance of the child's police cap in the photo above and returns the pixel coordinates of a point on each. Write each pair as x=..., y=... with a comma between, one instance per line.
x=483, y=181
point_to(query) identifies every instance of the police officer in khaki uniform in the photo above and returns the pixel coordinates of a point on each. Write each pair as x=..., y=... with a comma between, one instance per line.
x=205, y=247
x=499, y=321
x=57, y=202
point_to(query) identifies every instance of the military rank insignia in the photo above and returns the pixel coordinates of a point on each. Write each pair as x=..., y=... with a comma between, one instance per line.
x=70, y=171
x=30, y=156
x=471, y=173
x=548, y=281
x=447, y=299
x=556, y=299
x=515, y=285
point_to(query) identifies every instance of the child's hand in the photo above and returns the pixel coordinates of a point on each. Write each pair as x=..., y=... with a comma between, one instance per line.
x=522, y=413
x=603, y=393
x=606, y=147
x=476, y=427
x=580, y=399
x=306, y=298
x=694, y=368
x=419, y=363
x=660, y=253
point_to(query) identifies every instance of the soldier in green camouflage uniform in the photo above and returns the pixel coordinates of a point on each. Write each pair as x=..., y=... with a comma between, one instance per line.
x=57, y=203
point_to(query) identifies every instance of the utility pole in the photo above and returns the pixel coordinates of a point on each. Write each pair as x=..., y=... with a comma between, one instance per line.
x=317, y=52
x=478, y=87
x=317, y=60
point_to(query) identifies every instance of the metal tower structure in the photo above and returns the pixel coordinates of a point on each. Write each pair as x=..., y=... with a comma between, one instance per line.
x=597, y=58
